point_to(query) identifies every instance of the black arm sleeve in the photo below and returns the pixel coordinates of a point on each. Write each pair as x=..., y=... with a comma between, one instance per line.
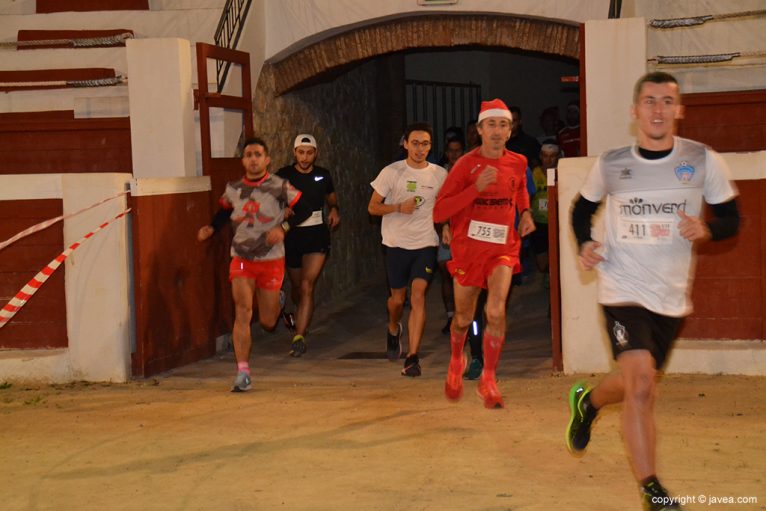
x=301, y=211
x=726, y=221
x=582, y=212
x=220, y=218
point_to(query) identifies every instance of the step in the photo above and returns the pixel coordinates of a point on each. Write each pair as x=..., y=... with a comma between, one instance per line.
x=30, y=6
x=50, y=78
x=47, y=6
x=75, y=99
x=113, y=37
x=193, y=24
x=66, y=58
x=57, y=58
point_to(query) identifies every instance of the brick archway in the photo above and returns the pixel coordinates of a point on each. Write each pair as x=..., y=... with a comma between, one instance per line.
x=432, y=31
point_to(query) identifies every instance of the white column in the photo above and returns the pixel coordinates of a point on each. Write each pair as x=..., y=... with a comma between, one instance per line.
x=161, y=108
x=615, y=58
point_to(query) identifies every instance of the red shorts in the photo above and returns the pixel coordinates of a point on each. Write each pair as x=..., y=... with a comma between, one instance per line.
x=476, y=272
x=267, y=275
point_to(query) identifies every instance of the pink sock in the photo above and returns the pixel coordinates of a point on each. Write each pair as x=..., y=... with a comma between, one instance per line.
x=243, y=367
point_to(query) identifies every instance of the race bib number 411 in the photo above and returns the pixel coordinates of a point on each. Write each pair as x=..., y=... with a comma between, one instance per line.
x=485, y=231
x=646, y=232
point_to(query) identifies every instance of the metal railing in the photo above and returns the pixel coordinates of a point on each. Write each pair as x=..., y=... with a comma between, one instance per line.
x=227, y=34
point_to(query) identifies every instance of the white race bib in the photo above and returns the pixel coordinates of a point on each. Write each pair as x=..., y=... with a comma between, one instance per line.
x=646, y=232
x=542, y=205
x=490, y=233
x=314, y=219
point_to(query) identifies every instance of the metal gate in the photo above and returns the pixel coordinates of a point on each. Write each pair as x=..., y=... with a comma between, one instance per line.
x=442, y=104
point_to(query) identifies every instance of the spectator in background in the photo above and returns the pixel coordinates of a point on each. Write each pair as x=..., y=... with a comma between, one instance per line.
x=520, y=142
x=569, y=136
x=549, y=159
x=550, y=123
x=472, y=138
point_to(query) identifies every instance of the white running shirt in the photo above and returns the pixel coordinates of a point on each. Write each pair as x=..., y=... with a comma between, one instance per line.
x=397, y=183
x=646, y=260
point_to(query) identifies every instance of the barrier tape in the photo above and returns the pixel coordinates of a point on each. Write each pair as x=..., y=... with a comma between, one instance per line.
x=23, y=296
x=48, y=223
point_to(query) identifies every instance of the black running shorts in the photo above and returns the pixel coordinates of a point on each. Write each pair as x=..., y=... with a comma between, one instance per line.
x=636, y=328
x=405, y=265
x=305, y=240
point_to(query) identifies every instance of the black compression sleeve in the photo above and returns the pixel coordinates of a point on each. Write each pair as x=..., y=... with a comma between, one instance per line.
x=301, y=211
x=582, y=211
x=220, y=218
x=726, y=221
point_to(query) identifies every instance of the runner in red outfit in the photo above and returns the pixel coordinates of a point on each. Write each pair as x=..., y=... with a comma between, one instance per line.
x=481, y=197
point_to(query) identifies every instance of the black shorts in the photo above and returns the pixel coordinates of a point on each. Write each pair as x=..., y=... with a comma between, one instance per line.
x=636, y=328
x=305, y=240
x=405, y=265
x=539, y=238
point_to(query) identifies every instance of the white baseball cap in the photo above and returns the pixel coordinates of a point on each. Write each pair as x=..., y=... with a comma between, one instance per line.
x=305, y=139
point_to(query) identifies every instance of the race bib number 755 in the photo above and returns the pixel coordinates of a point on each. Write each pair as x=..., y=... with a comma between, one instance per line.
x=485, y=231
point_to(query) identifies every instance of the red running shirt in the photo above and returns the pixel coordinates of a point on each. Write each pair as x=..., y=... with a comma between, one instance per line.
x=481, y=221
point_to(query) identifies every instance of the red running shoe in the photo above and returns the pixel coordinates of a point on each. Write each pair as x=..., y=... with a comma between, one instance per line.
x=488, y=392
x=453, y=387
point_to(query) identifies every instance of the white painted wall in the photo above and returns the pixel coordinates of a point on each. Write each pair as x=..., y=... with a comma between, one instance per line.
x=743, y=35
x=585, y=345
x=615, y=57
x=96, y=282
x=161, y=108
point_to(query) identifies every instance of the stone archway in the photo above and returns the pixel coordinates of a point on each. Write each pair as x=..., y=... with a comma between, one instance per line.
x=357, y=120
x=443, y=31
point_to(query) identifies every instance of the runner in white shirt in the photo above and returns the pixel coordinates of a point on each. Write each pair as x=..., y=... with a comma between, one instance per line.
x=653, y=193
x=404, y=194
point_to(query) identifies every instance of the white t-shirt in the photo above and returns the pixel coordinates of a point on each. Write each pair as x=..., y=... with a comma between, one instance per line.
x=397, y=183
x=647, y=261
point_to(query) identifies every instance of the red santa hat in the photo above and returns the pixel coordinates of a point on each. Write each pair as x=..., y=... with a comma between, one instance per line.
x=494, y=108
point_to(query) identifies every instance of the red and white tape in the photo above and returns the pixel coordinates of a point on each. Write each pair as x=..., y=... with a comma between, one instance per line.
x=23, y=296
x=48, y=223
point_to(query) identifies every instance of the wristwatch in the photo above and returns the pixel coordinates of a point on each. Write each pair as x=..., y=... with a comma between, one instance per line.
x=285, y=226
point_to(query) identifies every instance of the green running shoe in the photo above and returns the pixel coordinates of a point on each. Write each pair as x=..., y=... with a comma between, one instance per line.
x=581, y=419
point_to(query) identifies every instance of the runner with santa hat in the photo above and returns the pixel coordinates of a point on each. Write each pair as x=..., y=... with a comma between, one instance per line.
x=481, y=197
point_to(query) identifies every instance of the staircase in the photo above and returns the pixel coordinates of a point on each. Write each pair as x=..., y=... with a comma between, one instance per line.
x=55, y=60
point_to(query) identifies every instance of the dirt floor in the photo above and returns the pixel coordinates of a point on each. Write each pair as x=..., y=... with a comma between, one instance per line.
x=340, y=429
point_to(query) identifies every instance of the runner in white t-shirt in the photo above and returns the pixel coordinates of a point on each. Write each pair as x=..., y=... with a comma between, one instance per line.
x=404, y=194
x=652, y=193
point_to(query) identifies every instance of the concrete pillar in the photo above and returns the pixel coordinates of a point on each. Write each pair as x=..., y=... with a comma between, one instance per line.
x=615, y=57
x=161, y=108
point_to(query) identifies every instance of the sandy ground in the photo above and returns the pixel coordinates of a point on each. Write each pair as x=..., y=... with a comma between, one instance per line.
x=340, y=429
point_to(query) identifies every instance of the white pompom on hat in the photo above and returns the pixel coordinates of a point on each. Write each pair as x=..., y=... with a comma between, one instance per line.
x=494, y=108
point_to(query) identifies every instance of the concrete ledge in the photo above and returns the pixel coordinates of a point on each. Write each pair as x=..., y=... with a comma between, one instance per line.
x=46, y=366
x=164, y=186
x=718, y=357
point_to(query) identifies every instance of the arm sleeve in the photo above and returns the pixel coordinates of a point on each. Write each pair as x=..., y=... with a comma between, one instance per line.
x=582, y=212
x=726, y=221
x=220, y=218
x=301, y=211
x=454, y=196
